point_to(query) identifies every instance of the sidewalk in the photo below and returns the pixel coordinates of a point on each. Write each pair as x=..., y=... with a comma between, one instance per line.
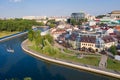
x=103, y=61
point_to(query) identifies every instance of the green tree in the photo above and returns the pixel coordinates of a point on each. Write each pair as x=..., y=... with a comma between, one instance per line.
x=51, y=23
x=49, y=38
x=30, y=35
x=113, y=50
x=38, y=38
x=100, y=16
x=18, y=24
x=78, y=22
x=41, y=24
x=73, y=22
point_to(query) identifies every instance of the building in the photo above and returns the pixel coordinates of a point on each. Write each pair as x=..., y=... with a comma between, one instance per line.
x=115, y=14
x=88, y=43
x=73, y=40
x=109, y=21
x=34, y=17
x=82, y=15
x=96, y=43
x=57, y=32
x=78, y=16
x=59, y=18
x=92, y=23
x=29, y=17
x=93, y=42
x=117, y=28
x=108, y=41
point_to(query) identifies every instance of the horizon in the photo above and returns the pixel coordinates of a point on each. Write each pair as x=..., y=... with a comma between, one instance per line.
x=20, y=8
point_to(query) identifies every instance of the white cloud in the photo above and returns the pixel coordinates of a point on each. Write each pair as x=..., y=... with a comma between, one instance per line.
x=15, y=0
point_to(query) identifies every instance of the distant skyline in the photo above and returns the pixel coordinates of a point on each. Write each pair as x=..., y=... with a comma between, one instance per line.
x=20, y=8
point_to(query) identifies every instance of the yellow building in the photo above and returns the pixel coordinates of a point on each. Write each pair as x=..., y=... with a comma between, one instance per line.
x=92, y=44
x=88, y=43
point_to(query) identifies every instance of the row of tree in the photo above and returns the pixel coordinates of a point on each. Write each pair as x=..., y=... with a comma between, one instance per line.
x=17, y=24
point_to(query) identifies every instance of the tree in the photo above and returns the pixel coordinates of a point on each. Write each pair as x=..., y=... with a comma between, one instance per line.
x=17, y=24
x=73, y=22
x=78, y=22
x=51, y=23
x=38, y=38
x=30, y=35
x=100, y=16
x=49, y=38
x=113, y=50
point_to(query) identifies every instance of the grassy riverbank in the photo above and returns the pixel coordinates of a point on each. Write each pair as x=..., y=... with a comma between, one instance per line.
x=89, y=59
x=56, y=53
x=6, y=33
x=113, y=64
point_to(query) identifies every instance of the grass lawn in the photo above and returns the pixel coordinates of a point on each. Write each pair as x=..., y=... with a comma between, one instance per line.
x=86, y=60
x=6, y=33
x=113, y=64
x=68, y=51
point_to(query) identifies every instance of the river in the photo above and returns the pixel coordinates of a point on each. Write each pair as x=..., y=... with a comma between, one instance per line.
x=19, y=65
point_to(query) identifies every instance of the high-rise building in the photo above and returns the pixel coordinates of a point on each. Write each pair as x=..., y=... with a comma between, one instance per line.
x=81, y=15
x=78, y=16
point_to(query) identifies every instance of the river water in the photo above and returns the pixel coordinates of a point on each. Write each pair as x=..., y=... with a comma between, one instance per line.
x=18, y=65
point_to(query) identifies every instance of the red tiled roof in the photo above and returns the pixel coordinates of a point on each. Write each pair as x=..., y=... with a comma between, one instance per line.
x=73, y=37
x=106, y=28
x=118, y=28
x=108, y=39
x=58, y=32
x=94, y=26
x=112, y=33
x=88, y=39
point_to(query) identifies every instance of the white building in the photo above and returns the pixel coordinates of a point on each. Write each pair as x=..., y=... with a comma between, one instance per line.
x=29, y=17
x=34, y=17
x=92, y=23
x=58, y=18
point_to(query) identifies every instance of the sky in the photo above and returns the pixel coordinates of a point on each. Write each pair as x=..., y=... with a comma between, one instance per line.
x=20, y=8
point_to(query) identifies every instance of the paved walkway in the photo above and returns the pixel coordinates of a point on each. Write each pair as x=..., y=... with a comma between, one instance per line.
x=103, y=61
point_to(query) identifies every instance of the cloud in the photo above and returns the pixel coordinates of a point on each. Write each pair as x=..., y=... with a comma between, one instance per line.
x=15, y=0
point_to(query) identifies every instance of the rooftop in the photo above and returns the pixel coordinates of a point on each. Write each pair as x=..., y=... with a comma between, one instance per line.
x=116, y=12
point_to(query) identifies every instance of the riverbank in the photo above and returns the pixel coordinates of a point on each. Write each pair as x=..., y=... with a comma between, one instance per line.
x=12, y=36
x=6, y=33
x=86, y=68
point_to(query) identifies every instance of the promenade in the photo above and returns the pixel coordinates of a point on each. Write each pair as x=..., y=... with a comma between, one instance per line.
x=66, y=63
x=103, y=61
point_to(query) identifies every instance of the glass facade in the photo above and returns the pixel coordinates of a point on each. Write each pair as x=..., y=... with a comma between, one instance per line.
x=78, y=16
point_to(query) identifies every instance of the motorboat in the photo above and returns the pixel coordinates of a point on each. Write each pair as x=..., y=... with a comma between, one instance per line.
x=10, y=50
